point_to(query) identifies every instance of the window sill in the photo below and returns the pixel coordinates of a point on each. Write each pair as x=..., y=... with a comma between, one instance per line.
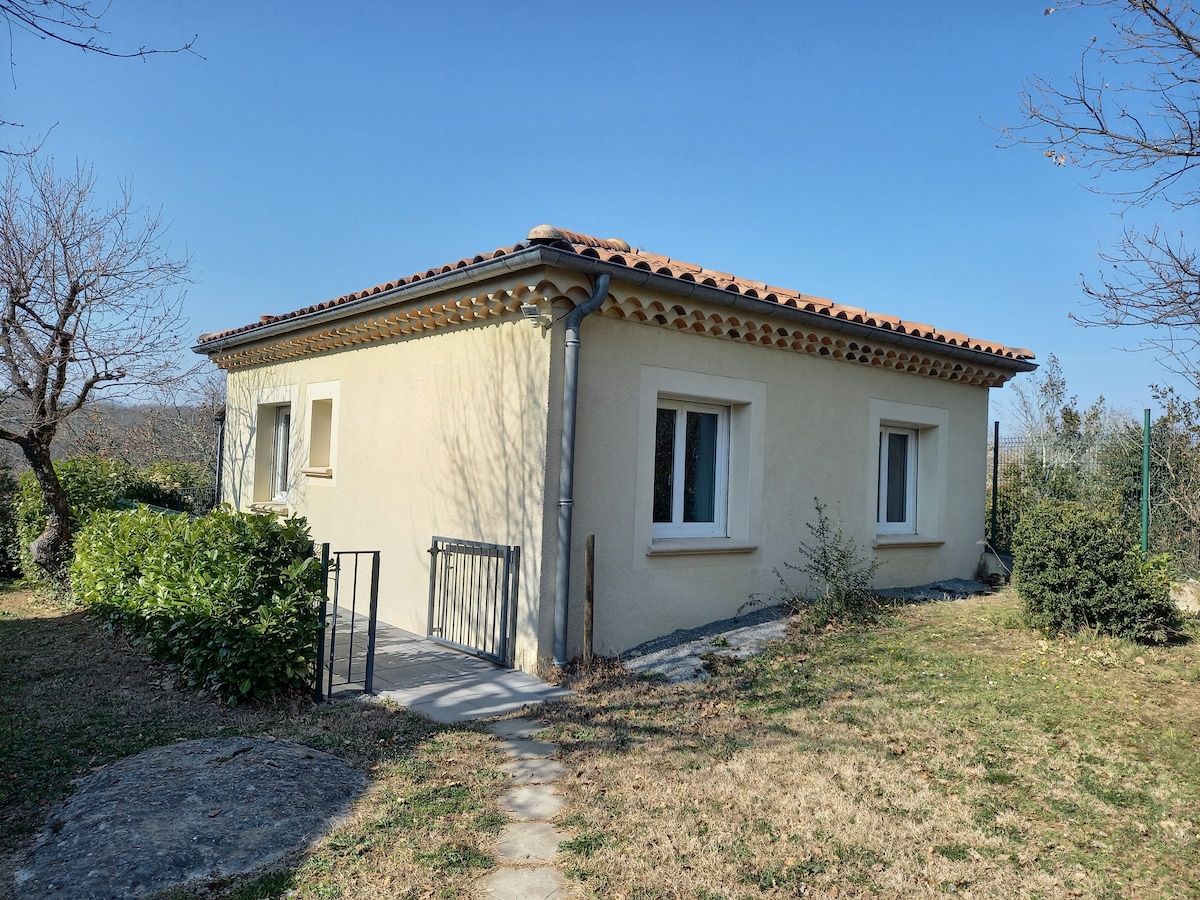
x=693, y=546
x=885, y=541
x=317, y=472
x=271, y=506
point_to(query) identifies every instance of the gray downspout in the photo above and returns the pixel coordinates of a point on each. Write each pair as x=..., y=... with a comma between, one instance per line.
x=219, y=418
x=566, y=474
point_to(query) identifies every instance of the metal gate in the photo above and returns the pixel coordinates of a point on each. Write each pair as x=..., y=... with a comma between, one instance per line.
x=346, y=642
x=473, y=597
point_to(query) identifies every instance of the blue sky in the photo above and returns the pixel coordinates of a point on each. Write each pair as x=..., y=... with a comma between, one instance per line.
x=845, y=150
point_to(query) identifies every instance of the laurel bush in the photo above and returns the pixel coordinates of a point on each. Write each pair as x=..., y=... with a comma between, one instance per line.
x=1077, y=566
x=9, y=553
x=95, y=483
x=230, y=600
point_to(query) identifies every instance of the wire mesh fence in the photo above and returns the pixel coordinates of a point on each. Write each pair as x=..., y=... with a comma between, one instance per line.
x=1102, y=470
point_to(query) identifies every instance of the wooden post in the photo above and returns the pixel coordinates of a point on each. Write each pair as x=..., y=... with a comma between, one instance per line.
x=589, y=563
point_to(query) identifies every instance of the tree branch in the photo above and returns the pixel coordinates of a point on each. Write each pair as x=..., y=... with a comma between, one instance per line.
x=73, y=24
x=1144, y=127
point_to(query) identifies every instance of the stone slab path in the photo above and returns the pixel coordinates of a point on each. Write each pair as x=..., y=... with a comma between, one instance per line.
x=527, y=851
x=186, y=815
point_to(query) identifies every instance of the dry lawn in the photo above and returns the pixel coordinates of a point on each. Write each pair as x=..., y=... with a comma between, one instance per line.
x=75, y=698
x=949, y=751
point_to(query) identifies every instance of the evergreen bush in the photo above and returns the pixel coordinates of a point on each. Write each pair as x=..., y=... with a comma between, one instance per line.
x=95, y=483
x=172, y=485
x=90, y=484
x=10, y=564
x=1078, y=566
x=230, y=600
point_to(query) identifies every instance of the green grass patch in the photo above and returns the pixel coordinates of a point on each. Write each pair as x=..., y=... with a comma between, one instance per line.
x=585, y=844
x=455, y=859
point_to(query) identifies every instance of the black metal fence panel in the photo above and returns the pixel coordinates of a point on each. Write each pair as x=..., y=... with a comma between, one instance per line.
x=473, y=597
x=346, y=643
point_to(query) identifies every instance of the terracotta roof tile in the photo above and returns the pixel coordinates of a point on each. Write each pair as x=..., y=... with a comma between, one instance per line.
x=616, y=251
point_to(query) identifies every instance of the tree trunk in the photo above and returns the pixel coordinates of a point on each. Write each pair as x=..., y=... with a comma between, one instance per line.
x=52, y=549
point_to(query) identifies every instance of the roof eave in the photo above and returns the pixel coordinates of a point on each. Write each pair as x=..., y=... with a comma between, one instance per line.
x=537, y=255
x=518, y=260
x=771, y=309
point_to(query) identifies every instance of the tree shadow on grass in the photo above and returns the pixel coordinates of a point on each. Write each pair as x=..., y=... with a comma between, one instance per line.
x=76, y=699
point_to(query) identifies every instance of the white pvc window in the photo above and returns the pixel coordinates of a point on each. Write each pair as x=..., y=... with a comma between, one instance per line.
x=691, y=469
x=897, y=485
x=280, y=453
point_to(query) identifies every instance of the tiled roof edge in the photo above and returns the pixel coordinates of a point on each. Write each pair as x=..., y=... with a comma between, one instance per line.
x=824, y=314
x=638, y=268
x=508, y=259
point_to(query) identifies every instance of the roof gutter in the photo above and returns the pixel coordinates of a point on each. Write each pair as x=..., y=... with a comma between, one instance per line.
x=566, y=470
x=768, y=309
x=529, y=257
x=489, y=268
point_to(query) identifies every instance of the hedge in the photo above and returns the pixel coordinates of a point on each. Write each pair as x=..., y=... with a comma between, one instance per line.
x=94, y=484
x=1077, y=567
x=9, y=554
x=230, y=600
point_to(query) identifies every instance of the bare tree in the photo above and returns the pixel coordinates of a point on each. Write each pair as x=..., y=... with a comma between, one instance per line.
x=1130, y=116
x=176, y=423
x=1056, y=432
x=89, y=308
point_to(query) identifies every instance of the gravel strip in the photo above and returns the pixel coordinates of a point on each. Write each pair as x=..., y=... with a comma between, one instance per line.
x=677, y=656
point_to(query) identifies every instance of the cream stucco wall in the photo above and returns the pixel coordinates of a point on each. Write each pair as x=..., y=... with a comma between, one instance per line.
x=819, y=438
x=438, y=433
x=456, y=431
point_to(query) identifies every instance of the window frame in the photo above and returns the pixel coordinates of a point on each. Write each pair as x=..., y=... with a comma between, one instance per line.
x=677, y=527
x=281, y=449
x=907, y=525
x=322, y=404
x=746, y=401
x=265, y=475
x=929, y=427
x=320, y=426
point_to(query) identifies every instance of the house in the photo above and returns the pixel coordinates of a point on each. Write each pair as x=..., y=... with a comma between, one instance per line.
x=568, y=386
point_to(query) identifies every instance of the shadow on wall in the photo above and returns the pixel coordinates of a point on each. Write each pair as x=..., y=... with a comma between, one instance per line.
x=494, y=433
x=485, y=440
x=238, y=462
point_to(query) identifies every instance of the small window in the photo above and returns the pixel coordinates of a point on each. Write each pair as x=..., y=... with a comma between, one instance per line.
x=691, y=469
x=319, y=454
x=319, y=434
x=897, y=485
x=280, y=453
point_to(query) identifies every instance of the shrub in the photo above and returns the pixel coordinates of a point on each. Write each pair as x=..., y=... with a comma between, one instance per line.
x=9, y=558
x=173, y=485
x=230, y=600
x=93, y=483
x=839, y=575
x=1080, y=567
x=90, y=484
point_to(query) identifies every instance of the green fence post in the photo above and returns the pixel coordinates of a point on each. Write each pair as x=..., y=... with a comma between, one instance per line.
x=1146, y=482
